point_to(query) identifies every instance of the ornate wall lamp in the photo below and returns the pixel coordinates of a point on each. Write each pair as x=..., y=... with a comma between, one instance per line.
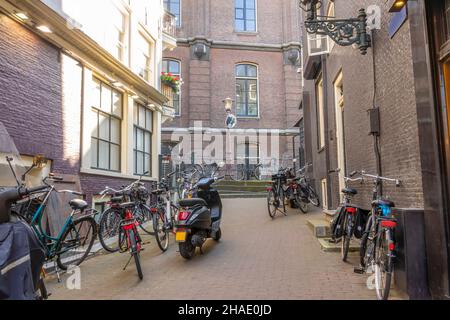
x=345, y=32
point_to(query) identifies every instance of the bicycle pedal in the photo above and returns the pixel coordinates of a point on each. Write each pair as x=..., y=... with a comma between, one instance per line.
x=359, y=270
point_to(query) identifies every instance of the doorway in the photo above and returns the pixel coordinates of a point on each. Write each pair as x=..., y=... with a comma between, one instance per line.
x=340, y=131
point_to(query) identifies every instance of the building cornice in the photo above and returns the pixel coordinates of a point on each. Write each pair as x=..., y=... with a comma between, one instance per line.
x=72, y=40
x=236, y=45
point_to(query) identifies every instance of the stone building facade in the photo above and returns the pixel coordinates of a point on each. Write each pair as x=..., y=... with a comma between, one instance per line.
x=215, y=43
x=403, y=77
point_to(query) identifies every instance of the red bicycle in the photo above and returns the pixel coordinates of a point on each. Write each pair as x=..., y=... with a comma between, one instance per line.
x=129, y=238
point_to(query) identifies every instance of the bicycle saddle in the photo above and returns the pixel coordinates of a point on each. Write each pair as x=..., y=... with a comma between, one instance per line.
x=383, y=202
x=192, y=202
x=127, y=205
x=78, y=204
x=350, y=191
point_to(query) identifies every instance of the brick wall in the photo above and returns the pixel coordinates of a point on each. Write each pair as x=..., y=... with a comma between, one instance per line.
x=396, y=99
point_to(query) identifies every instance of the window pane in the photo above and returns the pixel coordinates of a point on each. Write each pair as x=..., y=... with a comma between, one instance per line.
x=164, y=66
x=176, y=103
x=239, y=25
x=142, y=117
x=148, y=120
x=140, y=140
x=251, y=71
x=250, y=4
x=104, y=127
x=103, y=161
x=251, y=25
x=147, y=142
x=249, y=15
x=117, y=103
x=140, y=163
x=240, y=91
x=252, y=109
x=96, y=94
x=115, y=130
x=239, y=3
x=94, y=149
x=95, y=117
x=240, y=108
x=174, y=67
x=106, y=99
x=239, y=14
x=240, y=70
x=147, y=163
x=115, y=158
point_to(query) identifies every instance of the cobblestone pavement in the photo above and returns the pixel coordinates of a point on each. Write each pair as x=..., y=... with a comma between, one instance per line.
x=258, y=258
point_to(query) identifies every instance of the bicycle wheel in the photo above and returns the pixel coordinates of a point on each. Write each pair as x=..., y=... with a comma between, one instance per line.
x=257, y=173
x=76, y=242
x=383, y=265
x=364, y=242
x=144, y=217
x=109, y=229
x=313, y=197
x=282, y=197
x=161, y=234
x=135, y=252
x=347, y=237
x=302, y=206
x=272, y=204
x=238, y=174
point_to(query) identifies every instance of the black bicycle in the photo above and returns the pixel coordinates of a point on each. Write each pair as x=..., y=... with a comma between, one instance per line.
x=275, y=194
x=307, y=193
x=377, y=251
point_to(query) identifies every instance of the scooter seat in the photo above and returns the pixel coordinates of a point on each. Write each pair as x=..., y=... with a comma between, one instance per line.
x=187, y=203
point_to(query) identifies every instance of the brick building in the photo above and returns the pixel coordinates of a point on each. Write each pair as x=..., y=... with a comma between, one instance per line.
x=83, y=94
x=247, y=50
x=404, y=75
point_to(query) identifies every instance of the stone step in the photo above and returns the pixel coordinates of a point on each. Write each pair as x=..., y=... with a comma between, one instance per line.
x=336, y=247
x=319, y=227
x=329, y=215
x=242, y=188
x=242, y=195
x=244, y=183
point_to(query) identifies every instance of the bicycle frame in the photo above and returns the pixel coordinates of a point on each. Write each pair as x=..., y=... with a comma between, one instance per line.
x=50, y=243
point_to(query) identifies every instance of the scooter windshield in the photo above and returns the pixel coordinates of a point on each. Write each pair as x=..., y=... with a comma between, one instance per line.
x=8, y=151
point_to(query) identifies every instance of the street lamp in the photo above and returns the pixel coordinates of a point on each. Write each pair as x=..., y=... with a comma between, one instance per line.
x=228, y=102
x=345, y=32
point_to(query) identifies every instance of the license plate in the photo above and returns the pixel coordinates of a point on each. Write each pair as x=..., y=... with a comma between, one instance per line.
x=181, y=236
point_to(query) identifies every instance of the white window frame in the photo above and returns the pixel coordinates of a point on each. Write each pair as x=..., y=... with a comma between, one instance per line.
x=150, y=68
x=324, y=190
x=125, y=45
x=320, y=111
x=258, y=116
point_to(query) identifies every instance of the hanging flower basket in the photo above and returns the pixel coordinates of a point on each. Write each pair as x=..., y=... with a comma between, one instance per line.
x=172, y=81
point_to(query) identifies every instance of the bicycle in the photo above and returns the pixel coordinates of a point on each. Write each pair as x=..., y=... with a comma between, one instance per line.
x=74, y=242
x=276, y=195
x=164, y=214
x=307, y=193
x=377, y=250
x=129, y=238
x=111, y=217
x=247, y=173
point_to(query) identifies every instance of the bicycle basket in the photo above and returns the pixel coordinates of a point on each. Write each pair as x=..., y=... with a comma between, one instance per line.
x=28, y=208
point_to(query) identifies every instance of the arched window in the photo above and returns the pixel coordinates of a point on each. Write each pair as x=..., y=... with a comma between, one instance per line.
x=174, y=67
x=247, y=90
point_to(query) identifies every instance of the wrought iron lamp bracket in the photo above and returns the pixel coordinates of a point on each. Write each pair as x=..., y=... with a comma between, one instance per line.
x=345, y=32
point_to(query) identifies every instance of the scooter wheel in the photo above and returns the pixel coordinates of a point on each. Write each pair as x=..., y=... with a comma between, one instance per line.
x=187, y=249
x=218, y=235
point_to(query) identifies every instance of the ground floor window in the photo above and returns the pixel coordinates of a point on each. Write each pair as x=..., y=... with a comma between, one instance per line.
x=143, y=126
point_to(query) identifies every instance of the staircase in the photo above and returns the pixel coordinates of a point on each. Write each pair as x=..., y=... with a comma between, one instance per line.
x=230, y=189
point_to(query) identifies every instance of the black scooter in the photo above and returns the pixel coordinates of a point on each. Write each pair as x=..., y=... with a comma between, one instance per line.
x=199, y=218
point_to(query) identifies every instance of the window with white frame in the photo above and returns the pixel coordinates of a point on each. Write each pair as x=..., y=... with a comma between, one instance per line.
x=324, y=189
x=245, y=15
x=118, y=34
x=173, y=67
x=320, y=113
x=247, y=90
x=106, y=137
x=142, y=139
x=174, y=7
x=144, y=57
